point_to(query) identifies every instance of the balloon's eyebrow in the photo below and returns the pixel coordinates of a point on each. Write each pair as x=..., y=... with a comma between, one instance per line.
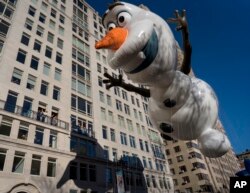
x=112, y=6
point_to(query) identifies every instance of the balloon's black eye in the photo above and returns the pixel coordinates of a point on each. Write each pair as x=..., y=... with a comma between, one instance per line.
x=121, y=19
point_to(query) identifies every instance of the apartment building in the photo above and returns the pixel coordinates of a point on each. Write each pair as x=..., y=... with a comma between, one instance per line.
x=242, y=156
x=61, y=130
x=193, y=172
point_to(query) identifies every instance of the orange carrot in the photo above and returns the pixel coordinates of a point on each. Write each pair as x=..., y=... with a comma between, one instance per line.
x=113, y=40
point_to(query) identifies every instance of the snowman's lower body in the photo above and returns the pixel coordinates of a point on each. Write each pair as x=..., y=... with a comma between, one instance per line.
x=195, y=119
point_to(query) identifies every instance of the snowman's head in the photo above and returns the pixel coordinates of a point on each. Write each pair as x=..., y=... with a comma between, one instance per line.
x=137, y=39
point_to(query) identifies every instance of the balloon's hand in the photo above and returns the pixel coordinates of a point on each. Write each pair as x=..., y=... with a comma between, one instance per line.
x=180, y=20
x=111, y=81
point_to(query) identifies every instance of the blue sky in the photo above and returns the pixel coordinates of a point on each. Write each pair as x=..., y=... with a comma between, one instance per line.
x=220, y=37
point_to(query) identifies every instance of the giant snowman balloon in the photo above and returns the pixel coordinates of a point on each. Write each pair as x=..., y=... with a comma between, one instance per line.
x=141, y=44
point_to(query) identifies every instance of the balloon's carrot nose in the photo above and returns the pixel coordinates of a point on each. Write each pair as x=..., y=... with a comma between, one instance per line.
x=113, y=40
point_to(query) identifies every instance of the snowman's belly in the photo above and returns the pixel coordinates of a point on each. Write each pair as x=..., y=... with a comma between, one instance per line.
x=198, y=112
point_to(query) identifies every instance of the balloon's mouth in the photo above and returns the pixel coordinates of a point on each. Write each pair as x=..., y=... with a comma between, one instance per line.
x=150, y=51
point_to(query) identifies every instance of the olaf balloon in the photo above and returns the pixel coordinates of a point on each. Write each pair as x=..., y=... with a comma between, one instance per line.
x=182, y=107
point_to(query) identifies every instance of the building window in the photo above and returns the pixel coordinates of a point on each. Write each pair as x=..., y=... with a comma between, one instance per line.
x=51, y=169
x=179, y=158
x=25, y=39
x=37, y=46
x=4, y=27
x=121, y=122
x=63, y=8
x=141, y=144
x=58, y=74
x=52, y=24
x=2, y=158
x=44, y=88
x=106, y=152
x=148, y=180
x=60, y=43
x=80, y=71
x=101, y=96
x=55, y=2
x=83, y=172
x=99, y=68
x=114, y=154
x=1, y=45
x=50, y=37
x=73, y=170
x=42, y=18
x=31, y=82
x=112, y=135
x=18, y=162
x=8, y=12
x=199, y=165
x=28, y=24
x=21, y=56
x=110, y=117
x=16, y=76
x=40, y=31
x=34, y=1
x=34, y=63
x=130, y=125
x=35, y=165
x=46, y=69
x=92, y=173
x=154, y=182
x=146, y=146
x=103, y=114
x=58, y=58
x=48, y=52
x=104, y=132
x=118, y=105
x=10, y=104
x=124, y=95
x=32, y=11
x=56, y=93
x=132, y=141
x=123, y=138
x=62, y=19
x=5, y=127
x=185, y=180
x=61, y=30
x=44, y=6
x=53, y=139
x=100, y=81
x=138, y=127
x=117, y=91
x=182, y=169
x=53, y=13
x=23, y=131
x=195, y=154
x=39, y=136
x=150, y=163
x=127, y=109
x=109, y=102
x=177, y=149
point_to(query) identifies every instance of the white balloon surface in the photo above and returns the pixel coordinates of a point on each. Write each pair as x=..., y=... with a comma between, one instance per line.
x=182, y=107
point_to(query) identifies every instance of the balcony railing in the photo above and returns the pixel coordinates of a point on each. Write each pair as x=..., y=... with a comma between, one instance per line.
x=83, y=131
x=33, y=115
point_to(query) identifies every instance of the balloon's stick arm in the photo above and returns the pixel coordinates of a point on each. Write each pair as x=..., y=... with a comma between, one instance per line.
x=111, y=81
